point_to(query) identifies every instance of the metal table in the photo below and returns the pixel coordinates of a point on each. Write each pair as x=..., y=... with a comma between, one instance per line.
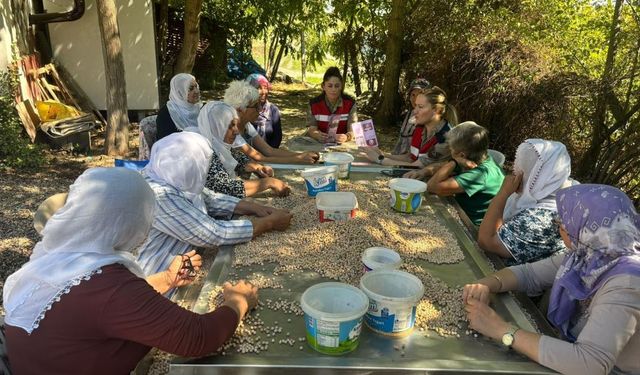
x=376, y=353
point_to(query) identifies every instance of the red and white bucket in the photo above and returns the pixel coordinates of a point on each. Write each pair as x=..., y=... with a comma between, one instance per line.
x=336, y=206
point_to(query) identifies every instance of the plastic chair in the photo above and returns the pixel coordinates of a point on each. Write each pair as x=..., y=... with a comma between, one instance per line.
x=136, y=165
x=46, y=209
x=148, y=136
x=497, y=156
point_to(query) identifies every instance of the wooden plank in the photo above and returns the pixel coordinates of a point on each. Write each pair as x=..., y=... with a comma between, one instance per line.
x=63, y=87
x=29, y=118
x=84, y=102
x=47, y=87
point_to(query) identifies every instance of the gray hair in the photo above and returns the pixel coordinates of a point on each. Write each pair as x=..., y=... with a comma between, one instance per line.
x=471, y=139
x=240, y=94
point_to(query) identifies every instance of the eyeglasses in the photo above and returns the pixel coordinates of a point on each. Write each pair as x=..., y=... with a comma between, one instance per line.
x=256, y=106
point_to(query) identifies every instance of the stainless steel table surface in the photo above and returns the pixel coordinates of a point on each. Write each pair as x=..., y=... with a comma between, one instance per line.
x=424, y=352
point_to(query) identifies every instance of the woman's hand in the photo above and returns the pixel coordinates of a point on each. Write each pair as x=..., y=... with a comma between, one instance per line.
x=259, y=169
x=245, y=207
x=464, y=163
x=512, y=183
x=342, y=138
x=183, y=269
x=372, y=153
x=485, y=320
x=264, y=171
x=279, y=187
x=280, y=219
x=419, y=174
x=478, y=291
x=241, y=297
x=308, y=157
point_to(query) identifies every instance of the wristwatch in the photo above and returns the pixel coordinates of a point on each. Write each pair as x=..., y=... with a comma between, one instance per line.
x=509, y=337
x=380, y=159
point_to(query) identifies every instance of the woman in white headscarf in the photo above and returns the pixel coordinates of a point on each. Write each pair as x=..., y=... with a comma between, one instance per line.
x=181, y=111
x=217, y=122
x=520, y=222
x=189, y=215
x=82, y=301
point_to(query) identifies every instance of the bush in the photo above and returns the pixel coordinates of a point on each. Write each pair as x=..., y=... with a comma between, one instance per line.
x=15, y=149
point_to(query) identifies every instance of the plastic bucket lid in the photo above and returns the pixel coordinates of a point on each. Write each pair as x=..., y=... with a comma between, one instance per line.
x=330, y=200
x=338, y=158
x=392, y=286
x=408, y=185
x=318, y=171
x=334, y=302
x=381, y=257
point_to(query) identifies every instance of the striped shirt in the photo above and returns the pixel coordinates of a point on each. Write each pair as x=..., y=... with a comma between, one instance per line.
x=179, y=226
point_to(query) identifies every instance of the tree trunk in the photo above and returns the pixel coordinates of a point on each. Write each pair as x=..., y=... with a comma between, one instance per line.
x=264, y=51
x=303, y=58
x=187, y=56
x=272, y=50
x=117, y=138
x=355, y=69
x=163, y=29
x=599, y=136
x=276, y=64
x=386, y=114
x=347, y=40
x=283, y=43
x=345, y=66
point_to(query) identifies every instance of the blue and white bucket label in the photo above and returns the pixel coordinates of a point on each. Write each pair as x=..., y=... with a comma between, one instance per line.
x=333, y=337
x=318, y=183
x=387, y=318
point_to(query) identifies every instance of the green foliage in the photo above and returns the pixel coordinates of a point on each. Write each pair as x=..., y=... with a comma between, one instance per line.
x=15, y=149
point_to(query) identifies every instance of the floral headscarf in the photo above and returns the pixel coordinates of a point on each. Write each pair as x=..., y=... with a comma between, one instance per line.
x=604, y=229
x=256, y=80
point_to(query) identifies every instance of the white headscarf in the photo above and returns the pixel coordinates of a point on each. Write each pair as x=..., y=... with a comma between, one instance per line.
x=213, y=123
x=107, y=215
x=546, y=166
x=182, y=161
x=183, y=113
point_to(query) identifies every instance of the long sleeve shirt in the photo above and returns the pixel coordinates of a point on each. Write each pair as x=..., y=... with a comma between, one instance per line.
x=607, y=328
x=179, y=226
x=107, y=324
x=219, y=180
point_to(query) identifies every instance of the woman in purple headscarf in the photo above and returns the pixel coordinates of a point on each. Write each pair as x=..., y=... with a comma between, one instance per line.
x=268, y=123
x=595, y=288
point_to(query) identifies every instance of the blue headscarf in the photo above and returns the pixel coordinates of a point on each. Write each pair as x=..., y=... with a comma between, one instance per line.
x=604, y=229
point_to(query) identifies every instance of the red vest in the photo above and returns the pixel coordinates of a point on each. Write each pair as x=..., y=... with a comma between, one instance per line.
x=323, y=114
x=417, y=149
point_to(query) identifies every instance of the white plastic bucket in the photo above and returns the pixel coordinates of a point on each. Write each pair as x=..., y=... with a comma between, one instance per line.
x=342, y=160
x=393, y=297
x=333, y=316
x=320, y=179
x=336, y=206
x=377, y=258
x=406, y=194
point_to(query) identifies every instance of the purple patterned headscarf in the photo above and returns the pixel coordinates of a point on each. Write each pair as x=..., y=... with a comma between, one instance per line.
x=604, y=229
